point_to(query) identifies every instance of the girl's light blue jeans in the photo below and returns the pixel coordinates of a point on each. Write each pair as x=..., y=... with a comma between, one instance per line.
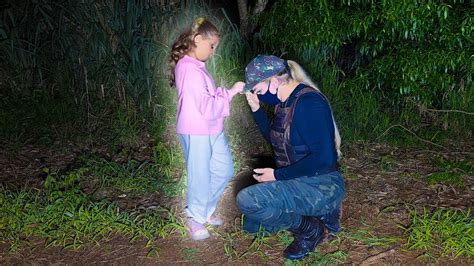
x=281, y=204
x=209, y=168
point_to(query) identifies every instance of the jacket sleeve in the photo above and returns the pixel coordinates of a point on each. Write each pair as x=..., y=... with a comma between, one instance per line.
x=215, y=104
x=262, y=122
x=212, y=103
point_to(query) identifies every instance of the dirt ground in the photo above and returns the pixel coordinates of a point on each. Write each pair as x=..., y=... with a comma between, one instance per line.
x=381, y=181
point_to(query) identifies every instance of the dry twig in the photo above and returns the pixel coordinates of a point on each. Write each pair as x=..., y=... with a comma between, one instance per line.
x=414, y=134
x=377, y=257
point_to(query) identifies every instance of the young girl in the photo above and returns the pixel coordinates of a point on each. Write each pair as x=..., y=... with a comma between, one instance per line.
x=201, y=109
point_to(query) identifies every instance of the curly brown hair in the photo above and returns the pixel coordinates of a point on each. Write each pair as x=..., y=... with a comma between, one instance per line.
x=185, y=43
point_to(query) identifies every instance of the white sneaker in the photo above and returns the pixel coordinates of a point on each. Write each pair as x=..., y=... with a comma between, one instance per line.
x=215, y=220
x=196, y=231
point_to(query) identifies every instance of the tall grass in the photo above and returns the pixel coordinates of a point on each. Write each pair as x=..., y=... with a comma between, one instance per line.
x=92, y=49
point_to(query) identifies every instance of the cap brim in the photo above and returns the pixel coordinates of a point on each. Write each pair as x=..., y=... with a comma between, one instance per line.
x=248, y=87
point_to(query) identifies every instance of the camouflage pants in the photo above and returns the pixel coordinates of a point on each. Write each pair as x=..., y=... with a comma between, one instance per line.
x=281, y=204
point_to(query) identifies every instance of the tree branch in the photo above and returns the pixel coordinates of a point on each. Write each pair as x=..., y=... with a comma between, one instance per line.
x=413, y=133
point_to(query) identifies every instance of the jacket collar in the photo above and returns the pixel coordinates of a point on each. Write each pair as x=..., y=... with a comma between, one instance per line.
x=194, y=61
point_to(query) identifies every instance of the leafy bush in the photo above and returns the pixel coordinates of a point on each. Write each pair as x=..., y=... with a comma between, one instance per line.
x=399, y=55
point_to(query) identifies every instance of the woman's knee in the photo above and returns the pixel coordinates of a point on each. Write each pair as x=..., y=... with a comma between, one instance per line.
x=245, y=200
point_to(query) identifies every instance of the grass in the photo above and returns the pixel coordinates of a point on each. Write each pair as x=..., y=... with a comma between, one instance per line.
x=450, y=172
x=446, y=178
x=261, y=243
x=66, y=217
x=443, y=232
x=115, y=89
x=387, y=163
x=132, y=177
x=189, y=254
x=366, y=237
x=39, y=119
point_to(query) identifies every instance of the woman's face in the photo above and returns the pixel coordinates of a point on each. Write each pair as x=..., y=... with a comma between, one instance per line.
x=205, y=47
x=263, y=86
x=267, y=91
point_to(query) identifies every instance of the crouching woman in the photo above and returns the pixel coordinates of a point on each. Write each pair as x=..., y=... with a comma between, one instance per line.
x=304, y=193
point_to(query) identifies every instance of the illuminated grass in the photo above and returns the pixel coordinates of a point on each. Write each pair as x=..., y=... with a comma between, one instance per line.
x=64, y=216
x=442, y=233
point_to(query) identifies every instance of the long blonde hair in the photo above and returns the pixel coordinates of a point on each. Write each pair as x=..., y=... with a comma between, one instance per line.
x=185, y=43
x=297, y=73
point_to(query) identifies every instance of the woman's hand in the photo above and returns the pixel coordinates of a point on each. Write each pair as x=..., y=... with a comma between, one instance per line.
x=238, y=87
x=253, y=101
x=264, y=174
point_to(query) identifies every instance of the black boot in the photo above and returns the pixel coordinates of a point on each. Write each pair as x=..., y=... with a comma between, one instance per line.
x=307, y=236
x=332, y=221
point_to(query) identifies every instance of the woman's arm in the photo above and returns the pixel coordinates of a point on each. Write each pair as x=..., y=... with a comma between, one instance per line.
x=262, y=122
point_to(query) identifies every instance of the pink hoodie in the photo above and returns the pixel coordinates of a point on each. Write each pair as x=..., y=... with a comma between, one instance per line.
x=201, y=106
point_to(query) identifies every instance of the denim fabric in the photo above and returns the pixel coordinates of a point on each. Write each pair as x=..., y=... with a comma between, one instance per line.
x=251, y=226
x=282, y=203
x=209, y=168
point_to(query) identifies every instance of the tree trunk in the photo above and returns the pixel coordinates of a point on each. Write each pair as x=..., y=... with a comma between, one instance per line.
x=246, y=27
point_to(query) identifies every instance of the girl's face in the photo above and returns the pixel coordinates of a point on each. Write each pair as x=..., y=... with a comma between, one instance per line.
x=204, y=47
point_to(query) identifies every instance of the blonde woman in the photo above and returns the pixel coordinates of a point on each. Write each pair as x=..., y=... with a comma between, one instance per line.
x=303, y=194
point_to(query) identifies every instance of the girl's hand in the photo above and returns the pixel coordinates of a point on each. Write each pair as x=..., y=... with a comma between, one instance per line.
x=253, y=101
x=238, y=87
x=264, y=174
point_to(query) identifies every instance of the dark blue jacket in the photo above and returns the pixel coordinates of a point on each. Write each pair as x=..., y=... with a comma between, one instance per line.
x=313, y=127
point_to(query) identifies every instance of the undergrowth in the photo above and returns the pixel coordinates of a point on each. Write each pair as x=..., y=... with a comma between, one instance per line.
x=65, y=216
x=443, y=232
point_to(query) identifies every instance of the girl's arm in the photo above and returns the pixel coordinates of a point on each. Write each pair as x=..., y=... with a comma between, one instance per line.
x=211, y=103
x=217, y=104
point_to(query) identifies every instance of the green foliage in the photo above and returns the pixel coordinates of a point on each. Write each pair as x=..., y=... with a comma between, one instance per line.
x=169, y=160
x=445, y=178
x=129, y=177
x=125, y=127
x=367, y=237
x=450, y=172
x=97, y=66
x=444, y=232
x=376, y=58
x=92, y=49
x=189, y=254
x=387, y=163
x=462, y=166
x=64, y=216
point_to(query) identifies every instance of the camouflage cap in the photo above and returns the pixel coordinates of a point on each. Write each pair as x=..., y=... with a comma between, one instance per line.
x=260, y=68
